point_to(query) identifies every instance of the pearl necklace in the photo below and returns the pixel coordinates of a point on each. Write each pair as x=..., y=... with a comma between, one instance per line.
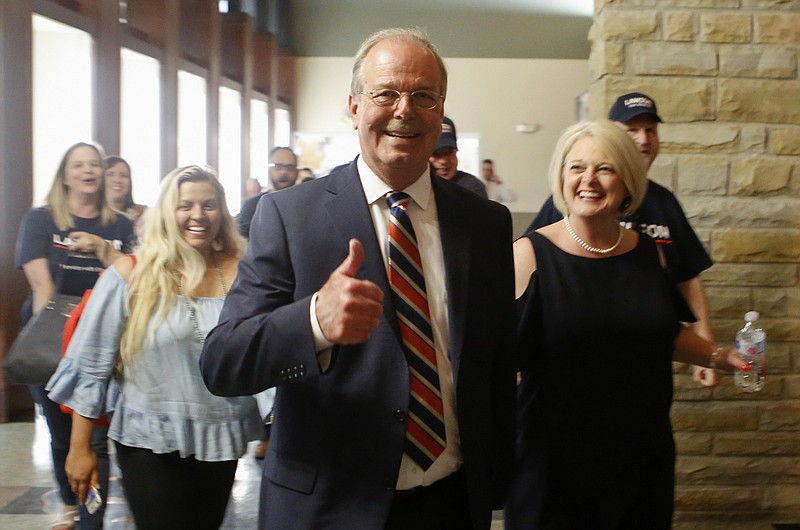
x=586, y=245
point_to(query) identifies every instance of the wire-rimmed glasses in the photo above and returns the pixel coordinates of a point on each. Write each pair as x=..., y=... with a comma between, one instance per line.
x=421, y=99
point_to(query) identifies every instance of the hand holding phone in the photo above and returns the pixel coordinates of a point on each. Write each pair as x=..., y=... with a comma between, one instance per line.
x=93, y=500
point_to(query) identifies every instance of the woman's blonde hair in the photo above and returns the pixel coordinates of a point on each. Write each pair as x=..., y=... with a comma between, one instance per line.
x=57, y=198
x=163, y=253
x=617, y=145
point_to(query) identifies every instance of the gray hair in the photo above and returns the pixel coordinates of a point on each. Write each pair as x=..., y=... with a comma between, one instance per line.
x=402, y=34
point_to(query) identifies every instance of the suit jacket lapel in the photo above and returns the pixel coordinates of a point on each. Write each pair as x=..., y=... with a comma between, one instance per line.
x=456, y=250
x=350, y=216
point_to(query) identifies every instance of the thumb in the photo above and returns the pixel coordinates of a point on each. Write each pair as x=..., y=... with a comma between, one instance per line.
x=352, y=262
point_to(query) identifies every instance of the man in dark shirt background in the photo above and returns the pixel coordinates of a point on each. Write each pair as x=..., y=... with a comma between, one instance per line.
x=282, y=175
x=445, y=160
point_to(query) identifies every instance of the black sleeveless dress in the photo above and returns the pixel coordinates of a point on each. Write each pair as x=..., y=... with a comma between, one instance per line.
x=595, y=448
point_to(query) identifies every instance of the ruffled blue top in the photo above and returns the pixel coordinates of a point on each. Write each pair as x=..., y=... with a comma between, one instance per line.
x=159, y=403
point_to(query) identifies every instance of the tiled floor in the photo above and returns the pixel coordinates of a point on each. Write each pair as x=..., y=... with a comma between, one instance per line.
x=27, y=487
x=28, y=495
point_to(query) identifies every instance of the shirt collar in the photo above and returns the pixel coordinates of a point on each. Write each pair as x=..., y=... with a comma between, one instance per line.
x=376, y=189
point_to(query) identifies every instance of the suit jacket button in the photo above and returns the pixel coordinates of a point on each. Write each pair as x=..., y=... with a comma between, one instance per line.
x=400, y=415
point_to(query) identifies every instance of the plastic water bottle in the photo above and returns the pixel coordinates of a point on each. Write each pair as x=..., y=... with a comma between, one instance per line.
x=751, y=341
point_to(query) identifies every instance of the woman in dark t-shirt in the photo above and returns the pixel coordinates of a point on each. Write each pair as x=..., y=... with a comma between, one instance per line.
x=65, y=245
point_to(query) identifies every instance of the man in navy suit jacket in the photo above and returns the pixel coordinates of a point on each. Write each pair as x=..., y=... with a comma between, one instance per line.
x=311, y=313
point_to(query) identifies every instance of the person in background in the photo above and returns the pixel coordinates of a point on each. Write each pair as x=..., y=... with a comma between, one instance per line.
x=444, y=161
x=282, y=175
x=304, y=174
x=495, y=189
x=600, y=324
x=135, y=355
x=395, y=380
x=65, y=245
x=119, y=189
x=660, y=217
x=282, y=168
x=252, y=188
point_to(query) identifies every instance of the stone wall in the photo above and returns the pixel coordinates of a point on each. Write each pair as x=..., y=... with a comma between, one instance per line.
x=725, y=76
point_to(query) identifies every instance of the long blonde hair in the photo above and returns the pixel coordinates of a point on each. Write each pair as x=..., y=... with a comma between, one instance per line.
x=56, y=200
x=163, y=252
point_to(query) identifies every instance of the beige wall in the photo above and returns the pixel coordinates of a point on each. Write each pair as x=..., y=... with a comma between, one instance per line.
x=488, y=97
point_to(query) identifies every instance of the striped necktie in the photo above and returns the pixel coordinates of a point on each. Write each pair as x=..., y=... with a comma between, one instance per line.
x=425, y=435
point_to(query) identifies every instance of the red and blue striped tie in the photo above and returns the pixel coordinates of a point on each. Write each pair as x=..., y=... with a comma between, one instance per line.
x=425, y=434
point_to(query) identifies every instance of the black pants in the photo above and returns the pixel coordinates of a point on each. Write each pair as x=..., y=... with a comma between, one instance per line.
x=444, y=505
x=165, y=491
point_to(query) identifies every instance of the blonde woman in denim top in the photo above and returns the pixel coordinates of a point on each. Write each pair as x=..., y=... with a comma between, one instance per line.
x=176, y=443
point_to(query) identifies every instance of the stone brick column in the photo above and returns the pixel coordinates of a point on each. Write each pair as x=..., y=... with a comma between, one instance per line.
x=725, y=76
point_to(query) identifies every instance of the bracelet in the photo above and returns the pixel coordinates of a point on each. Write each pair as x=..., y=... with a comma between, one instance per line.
x=712, y=360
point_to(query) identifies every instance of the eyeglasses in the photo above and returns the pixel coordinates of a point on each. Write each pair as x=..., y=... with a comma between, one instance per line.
x=287, y=167
x=421, y=99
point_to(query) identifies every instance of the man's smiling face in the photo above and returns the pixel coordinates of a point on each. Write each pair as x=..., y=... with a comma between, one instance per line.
x=396, y=141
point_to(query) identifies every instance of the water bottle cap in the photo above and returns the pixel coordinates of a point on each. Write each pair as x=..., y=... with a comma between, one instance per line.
x=751, y=316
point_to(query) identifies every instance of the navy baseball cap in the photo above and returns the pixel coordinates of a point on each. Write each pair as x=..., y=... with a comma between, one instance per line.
x=448, y=137
x=632, y=105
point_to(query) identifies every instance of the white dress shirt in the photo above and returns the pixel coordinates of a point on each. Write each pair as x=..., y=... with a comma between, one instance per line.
x=423, y=214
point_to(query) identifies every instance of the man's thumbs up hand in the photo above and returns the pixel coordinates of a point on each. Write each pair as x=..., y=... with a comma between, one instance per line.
x=348, y=309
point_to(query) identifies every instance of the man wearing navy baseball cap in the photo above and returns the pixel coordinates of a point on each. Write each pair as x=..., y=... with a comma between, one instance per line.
x=631, y=105
x=660, y=216
x=637, y=114
x=444, y=160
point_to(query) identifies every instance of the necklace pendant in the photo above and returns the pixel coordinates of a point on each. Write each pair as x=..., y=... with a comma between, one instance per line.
x=190, y=307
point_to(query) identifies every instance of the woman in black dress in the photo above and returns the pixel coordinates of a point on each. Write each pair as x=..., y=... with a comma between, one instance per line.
x=600, y=323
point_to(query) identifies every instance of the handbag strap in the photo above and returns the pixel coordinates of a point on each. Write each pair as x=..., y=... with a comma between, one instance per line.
x=57, y=281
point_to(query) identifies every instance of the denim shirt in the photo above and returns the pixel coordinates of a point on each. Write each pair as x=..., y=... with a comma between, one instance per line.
x=160, y=401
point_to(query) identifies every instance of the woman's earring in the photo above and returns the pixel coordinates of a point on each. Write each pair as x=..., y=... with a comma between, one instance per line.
x=216, y=245
x=626, y=203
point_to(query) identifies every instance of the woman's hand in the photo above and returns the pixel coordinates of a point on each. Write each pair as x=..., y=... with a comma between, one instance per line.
x=728, y=359
x=92, y=244
x=693, y=349
x=81, y=469
x=81, y=464
x=87, y=243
